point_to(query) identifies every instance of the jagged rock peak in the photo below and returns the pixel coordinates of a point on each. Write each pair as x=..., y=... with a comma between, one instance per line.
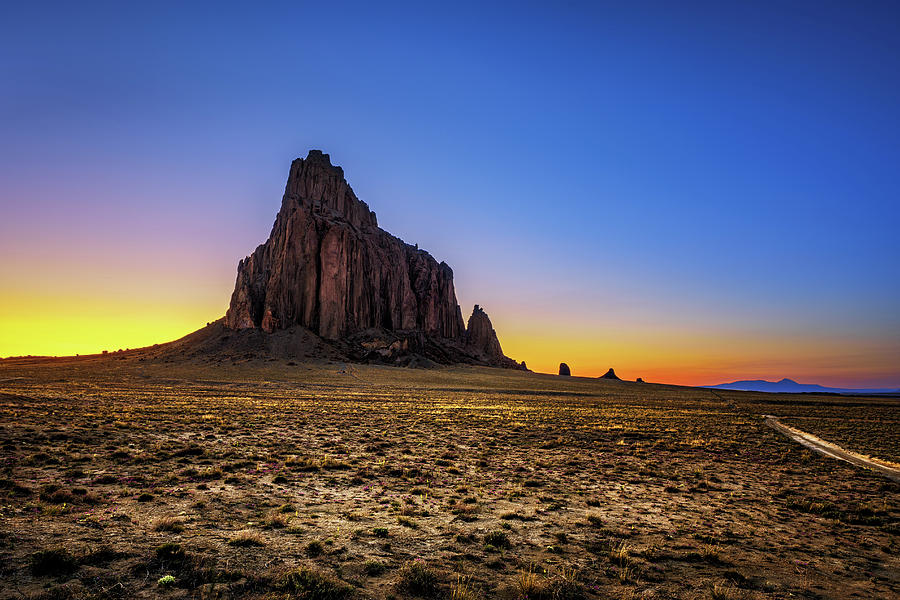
x=481, y=337
x=315, y=183
x=328, y=267
x=482, y=342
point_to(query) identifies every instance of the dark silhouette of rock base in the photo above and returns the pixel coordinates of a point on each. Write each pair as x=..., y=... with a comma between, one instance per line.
x=611, y=374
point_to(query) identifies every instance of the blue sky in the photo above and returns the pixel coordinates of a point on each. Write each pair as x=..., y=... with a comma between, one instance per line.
x=665, y=181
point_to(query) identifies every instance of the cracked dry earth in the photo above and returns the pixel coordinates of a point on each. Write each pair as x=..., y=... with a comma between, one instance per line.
x=121, y=478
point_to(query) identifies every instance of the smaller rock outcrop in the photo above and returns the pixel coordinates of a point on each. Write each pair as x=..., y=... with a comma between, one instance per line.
x=564, y=370
x=482, y=342
x=611, y=374
x=639, y=380
x=481, y=338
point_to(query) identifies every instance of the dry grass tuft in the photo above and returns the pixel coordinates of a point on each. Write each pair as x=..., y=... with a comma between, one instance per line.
x=464, y=589
x=246, y=538
x=173, y=524
x=418, y=579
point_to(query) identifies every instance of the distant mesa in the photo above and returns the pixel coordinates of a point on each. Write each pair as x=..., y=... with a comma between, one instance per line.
x=789, y=386
x=639, y=380
x=564, y=370
x=611, y=374
x=328, y=268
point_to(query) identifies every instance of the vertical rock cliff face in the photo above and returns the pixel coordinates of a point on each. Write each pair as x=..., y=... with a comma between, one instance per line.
x=327, y=266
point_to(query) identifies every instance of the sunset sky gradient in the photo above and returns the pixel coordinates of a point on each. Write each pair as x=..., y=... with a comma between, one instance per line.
x=691, y=192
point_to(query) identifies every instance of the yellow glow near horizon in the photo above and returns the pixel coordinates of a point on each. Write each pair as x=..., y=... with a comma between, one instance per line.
x=65, y=327
x=84, y=302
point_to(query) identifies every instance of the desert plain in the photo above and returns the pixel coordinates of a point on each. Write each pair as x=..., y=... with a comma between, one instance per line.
x=126, y=476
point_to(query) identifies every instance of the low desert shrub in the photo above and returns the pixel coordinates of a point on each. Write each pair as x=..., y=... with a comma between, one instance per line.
x=171, y=555
x=374, y=568
x=308, y=584
x=56, y=561
x=497, y=539
x=418, y=579
x=314, y=548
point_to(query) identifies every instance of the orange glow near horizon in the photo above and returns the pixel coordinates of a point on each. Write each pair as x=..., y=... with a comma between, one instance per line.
x=702, y=358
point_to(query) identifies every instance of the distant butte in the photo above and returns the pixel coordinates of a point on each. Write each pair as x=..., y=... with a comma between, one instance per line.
x=611, y=374
x=328, y=268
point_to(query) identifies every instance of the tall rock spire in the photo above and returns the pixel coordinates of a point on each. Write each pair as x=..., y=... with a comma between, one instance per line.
x=328, y=267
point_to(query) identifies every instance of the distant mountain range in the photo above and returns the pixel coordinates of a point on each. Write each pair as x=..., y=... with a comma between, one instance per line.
x=789, y=386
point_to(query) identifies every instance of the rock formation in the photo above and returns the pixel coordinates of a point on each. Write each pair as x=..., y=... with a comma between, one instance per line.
x=564, y=369
x=329, y=268
x=639, y=380
x=611, y=374
x=482, y=342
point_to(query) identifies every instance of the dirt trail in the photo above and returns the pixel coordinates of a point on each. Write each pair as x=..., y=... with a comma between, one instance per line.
x=889, y=470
